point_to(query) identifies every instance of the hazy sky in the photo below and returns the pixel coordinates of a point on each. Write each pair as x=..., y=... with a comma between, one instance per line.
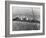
x=25, y=11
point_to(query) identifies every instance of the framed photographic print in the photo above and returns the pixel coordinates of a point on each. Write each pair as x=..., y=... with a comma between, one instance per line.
x=24, y=18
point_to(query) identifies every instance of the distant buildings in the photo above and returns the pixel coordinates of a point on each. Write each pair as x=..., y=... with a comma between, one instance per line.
x=24, y=19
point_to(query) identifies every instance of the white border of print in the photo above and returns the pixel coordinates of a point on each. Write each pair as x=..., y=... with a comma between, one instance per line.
x=31, y=31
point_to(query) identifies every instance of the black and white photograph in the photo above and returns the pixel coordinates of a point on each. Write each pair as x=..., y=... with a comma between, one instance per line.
x=25, y=18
